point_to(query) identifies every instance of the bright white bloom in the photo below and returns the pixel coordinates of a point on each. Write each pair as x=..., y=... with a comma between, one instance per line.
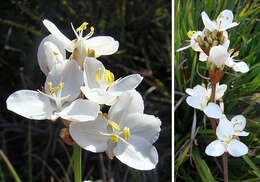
x=84, y=46
x=62, y=87
x=220, y=90
x=239, y=123
x=193, y=43
x=199, y=100
x=50, y=52
x=220, y=57
x=223, y=22
x=226, y=142
x=100, y=86
x=125, y=133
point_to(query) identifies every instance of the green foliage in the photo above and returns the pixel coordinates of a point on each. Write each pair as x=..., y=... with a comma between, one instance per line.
x=241, y=97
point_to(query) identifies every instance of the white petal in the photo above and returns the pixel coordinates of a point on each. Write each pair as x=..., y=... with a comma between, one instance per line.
x=80, y=51
x=241, y=67
x=127, y=83
x=183, y=48
x=224, y=130
x=128, y=102
x=138, y=153
x=239, y=121
x=189, y=91
x=212, y=110
x=71, y=75
x=203, y=57
x=215, y=148
x=224, y=19
x=207, y=22
x=100, y=96
x=30, y=104
x=90, y=135
x=218, y=55
x=56, y=32
x=220, y=90
x=103, y=45
x=143, y=125
x=237, y=148
x=241, y=133
x=50, y=51
x=234, y=24
x=80, y=110
x=195, y=102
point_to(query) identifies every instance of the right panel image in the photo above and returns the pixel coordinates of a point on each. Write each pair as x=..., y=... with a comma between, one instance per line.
x=217, y=91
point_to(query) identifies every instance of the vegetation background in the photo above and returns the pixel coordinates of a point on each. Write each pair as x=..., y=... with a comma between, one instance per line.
x=192, y=132
x=34, y=148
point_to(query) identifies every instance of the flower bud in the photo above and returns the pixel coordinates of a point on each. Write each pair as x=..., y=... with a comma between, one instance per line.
x=218, y=55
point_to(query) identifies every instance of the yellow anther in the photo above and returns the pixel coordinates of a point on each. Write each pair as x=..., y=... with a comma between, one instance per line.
x=49, y=84
x=202, y=105
x=228, y=141
x=109, y=77
x=91, y=53
x=126, y=133
x=190, y=33
x=114, y=138
x=82, y=27
x=231, y=51
x=55, y=53
x=55, y=89
x=91, y=32
x=203, y=85
x=236, y=53
x=98, y=75
x=114, y=125
x=206, y=97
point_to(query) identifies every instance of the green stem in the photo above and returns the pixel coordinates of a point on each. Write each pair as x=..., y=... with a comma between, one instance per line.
x=77, y=163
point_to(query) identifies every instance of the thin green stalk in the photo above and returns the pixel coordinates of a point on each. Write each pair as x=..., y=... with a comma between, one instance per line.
x=10, y=166
x=77, y=163
x=30, y=150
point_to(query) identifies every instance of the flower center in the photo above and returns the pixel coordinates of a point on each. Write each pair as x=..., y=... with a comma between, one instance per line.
x=118, y=133
x=190, y=33
x=55, y=89
x=108, y=76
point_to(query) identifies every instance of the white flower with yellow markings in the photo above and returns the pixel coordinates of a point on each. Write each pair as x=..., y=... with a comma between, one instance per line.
x=100, y=84
x=226, y=142
x=125, y=133
x=199, y=99
x=193, y=42
x=58, y=99
x=223, y=22
x=86, y=45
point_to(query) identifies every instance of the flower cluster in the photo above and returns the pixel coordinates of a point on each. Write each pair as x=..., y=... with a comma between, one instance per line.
x=75, y=90
x=212, y=44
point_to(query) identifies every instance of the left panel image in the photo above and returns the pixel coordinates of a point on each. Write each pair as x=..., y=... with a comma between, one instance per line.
x=85, y=91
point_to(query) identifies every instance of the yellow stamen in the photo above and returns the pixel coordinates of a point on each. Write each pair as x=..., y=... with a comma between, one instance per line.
x=114, y=138
x=190, y=33
x=55, y=53
x=91, y=32
x=231, y=51
x=55, y=89
x=203, y=85
x=114, y=125
x=91, y=53
x=97, y=75
x=228, y=141
x=202, y=105
x=109, y=77
x=236, y=53
x=82, y=27
x=126, y=133
x=206, y=97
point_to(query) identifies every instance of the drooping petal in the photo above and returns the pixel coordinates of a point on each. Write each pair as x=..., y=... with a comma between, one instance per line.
x=90, y=135
x=215, y=148
x=237, y=148
x=50, y=52
x=231, y=25
x=80, y=110
x=212, y=110
x=127, y=83
x=239, y=122
x=71, y=75
x=30, y=104
x=203, y=57
x=218, y=55
x=207, y=22
x=224, y=19
x=143, y=125
x=102, y=45
x=137, y=153
x=128, y=102
x=60, y=36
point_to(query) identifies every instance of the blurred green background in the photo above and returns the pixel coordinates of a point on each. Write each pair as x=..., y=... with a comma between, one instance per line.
x=241, y=97
x=143, y=29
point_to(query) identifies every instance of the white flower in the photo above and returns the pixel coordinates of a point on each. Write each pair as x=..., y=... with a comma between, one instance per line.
x=236, y=65
x=84, y=46
x=193, y=43
x=199, y=100
x=223, y=22
x=226, y=142
x=62, y=87
x=220, y=90
x=50, y=52
x=125, y=133
x=100, y=86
